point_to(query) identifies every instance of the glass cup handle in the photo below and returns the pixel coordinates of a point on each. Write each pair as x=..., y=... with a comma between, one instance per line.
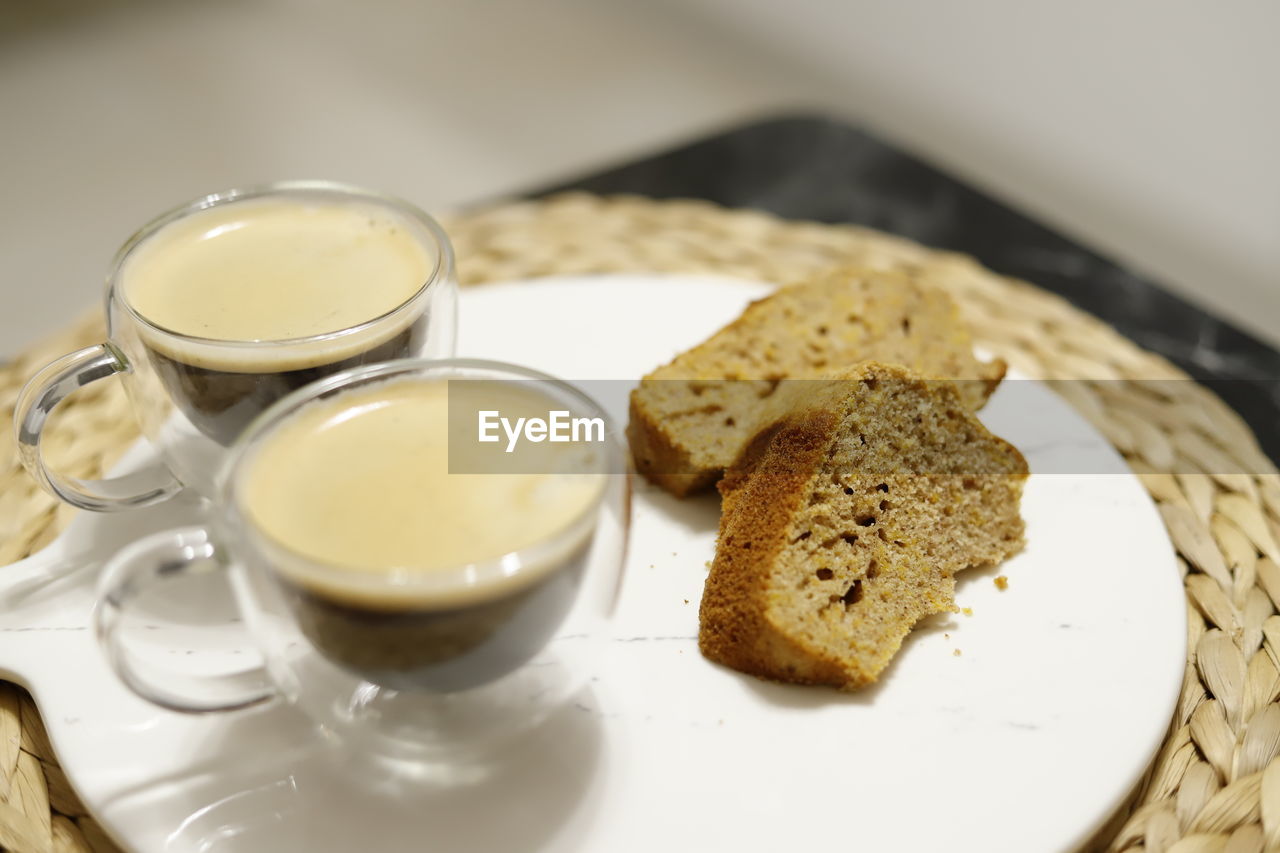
x=156, y=558
x=41, y=395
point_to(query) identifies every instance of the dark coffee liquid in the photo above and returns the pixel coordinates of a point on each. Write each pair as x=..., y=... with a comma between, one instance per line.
x=439, y=650
x=221, y=403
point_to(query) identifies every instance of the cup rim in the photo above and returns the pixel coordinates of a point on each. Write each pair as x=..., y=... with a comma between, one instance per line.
x=465, y=575
x=442, y=267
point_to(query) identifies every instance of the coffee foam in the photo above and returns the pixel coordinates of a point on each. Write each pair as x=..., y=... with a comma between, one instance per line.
x=248, y=279
x=359, y=485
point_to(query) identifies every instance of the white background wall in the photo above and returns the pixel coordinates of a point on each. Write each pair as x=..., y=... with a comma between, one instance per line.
x=1149, y=127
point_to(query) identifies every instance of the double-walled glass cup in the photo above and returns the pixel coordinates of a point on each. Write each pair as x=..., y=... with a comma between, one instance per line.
x=193, y=394
x=399, y=660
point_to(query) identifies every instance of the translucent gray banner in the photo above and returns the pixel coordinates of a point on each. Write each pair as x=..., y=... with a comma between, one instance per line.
x=1063, y=427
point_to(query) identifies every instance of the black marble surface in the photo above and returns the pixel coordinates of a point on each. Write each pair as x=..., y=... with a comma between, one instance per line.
x=816, y=168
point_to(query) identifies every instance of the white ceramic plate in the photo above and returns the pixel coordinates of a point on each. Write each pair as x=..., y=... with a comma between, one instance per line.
x=1024, y=742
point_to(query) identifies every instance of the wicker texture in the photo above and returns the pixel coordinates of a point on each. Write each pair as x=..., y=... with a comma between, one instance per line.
x=1215, y=784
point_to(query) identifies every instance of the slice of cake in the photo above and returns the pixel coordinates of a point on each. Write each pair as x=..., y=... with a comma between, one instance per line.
x=691, y=418
x=845, y=521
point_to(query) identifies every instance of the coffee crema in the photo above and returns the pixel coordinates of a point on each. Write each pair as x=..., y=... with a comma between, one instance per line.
x=360, y=483
x=275, y=270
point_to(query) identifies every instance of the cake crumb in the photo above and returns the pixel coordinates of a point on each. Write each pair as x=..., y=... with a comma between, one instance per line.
x=956, y=653
x=967, y=611
x=1002, y=582
x=946, y=636
x=686, y=601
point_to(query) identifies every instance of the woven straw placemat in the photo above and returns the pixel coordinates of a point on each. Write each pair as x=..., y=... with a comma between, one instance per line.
x=1215, y=784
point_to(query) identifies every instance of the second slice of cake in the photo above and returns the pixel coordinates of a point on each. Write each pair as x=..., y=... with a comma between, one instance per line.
x=845, y=521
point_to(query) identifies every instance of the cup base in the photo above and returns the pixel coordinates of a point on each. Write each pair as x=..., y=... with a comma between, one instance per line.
x=452, y=732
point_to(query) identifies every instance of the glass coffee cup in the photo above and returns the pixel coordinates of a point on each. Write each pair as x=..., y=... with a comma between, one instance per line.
x=410, y=587
x=218, y=308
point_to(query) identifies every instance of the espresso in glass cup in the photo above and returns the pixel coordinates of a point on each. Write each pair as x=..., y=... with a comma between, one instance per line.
x=218, y=309
x=405, y=587
x=366, y=527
